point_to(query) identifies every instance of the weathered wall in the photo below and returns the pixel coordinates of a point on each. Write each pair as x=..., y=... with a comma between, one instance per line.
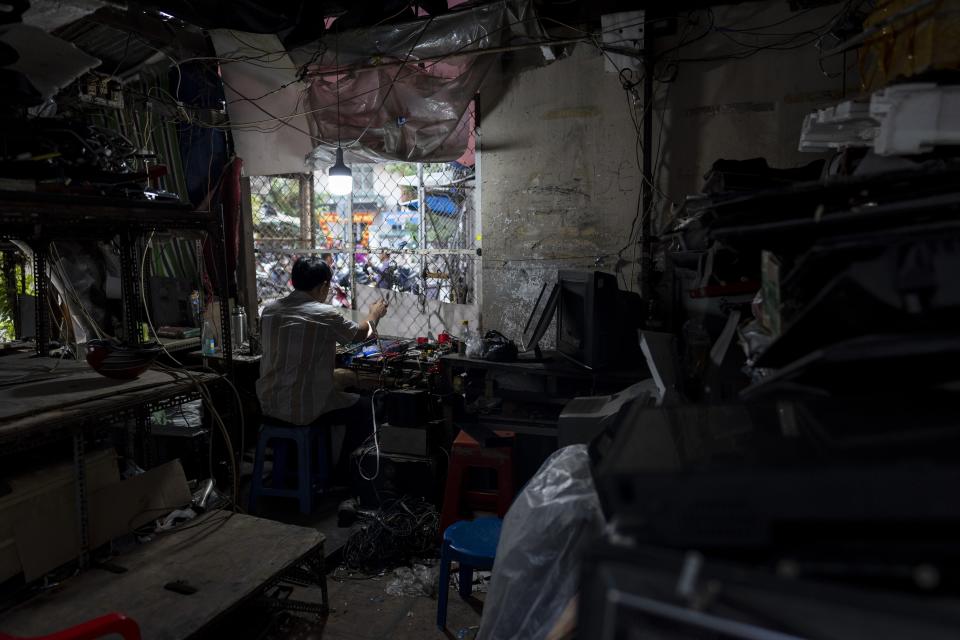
x=739, y=109
x=559, y=169
x=559, y=182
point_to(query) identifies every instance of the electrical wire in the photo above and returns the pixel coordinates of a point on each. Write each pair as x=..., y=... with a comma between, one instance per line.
x=400, y=77
x=207, y=398
x=389, y=87
x=786, y=41
x=758, y=28
x=282, y=120
x=399, y=530
x=748, y=50
x=376, y=441
x=204, y=393
x=397, y=77
x=70, y=290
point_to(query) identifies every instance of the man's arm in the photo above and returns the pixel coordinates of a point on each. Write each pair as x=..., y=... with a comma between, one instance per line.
x=369, y=325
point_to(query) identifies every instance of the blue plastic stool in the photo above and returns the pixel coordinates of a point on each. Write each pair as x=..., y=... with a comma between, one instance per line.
x=473, y=544
x=312, y=473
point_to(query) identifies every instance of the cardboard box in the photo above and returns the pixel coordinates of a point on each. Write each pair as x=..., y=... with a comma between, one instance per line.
x=39, y=516
x=47, y=492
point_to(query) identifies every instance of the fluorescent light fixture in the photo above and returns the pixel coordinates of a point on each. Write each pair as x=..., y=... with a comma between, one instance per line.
x=340, y=178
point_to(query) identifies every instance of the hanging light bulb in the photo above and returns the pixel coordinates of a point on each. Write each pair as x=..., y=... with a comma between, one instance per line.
x=339, y=178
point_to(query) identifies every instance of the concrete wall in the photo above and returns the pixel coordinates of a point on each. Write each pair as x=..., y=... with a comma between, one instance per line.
x=559, y=182
x=744, y=108
x=559, y=169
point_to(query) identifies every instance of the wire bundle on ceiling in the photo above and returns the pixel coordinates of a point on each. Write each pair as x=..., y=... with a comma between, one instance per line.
x=272, y=122
x=666, y=71
x=399, y=531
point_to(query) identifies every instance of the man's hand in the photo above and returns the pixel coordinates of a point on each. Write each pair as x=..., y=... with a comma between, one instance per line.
x=378, y=310
x=368, y=327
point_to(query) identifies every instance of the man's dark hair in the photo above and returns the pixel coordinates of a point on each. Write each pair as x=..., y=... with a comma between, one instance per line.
x=309, y=273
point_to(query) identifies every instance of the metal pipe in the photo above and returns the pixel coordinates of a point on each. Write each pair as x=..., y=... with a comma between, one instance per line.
x=474, y=52
x=646, y=208
x=422, y=233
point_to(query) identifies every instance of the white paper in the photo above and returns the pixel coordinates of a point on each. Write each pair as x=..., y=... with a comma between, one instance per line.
x=720, y=347
x=277, y=141
x=49, y=62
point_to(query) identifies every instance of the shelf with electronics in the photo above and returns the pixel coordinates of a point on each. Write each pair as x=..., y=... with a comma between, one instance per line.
x=48, y=399
x=39, y=218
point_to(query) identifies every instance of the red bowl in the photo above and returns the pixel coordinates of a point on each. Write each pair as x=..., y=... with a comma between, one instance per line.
x=122, y=362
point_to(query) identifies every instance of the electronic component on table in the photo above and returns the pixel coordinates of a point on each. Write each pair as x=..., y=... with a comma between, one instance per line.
x=384, y=347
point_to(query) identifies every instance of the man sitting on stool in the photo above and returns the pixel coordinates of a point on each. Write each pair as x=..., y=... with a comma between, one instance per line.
x=299, y=335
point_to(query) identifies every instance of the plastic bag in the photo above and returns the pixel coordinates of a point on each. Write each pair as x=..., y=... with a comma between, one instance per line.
x=418, y=111
x=418, y=580
x=537, y=568
x=474, y=344
x=188, y=415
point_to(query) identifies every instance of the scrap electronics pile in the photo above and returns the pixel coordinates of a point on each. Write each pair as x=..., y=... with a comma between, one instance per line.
x=65, y=155
x=397, y=471
x=405, y=362
x=854, y=274
x=396, y=532
x=405, y=456
x=818, y=484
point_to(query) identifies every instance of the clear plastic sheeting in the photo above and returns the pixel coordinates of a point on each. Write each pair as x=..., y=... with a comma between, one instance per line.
x=537, y=567
x=409, y=85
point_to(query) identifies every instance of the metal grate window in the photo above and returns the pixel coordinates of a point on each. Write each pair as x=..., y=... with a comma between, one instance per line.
x=409, y=233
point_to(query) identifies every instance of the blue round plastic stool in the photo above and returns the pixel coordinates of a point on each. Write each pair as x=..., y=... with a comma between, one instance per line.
x=473, y=544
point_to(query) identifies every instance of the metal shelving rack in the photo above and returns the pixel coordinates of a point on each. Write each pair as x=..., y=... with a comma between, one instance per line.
x=39, y=218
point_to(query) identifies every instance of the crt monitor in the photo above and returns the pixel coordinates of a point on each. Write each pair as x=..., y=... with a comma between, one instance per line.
x=540, y=317
x=596, y=322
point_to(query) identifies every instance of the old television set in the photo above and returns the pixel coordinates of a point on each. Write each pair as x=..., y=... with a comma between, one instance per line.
x=596, y=322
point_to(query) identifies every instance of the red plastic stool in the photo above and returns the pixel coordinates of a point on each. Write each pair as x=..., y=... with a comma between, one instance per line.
x=110, y=624
x=465, y=454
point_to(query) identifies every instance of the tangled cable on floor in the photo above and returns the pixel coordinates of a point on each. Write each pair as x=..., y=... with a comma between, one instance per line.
x=400, y=530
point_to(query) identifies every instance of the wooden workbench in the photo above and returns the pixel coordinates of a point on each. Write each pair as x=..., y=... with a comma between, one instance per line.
x=226, y=557
x=39, y=396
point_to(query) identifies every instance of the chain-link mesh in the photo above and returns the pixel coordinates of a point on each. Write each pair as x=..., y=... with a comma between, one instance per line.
x=408, y=231
x=279, y=232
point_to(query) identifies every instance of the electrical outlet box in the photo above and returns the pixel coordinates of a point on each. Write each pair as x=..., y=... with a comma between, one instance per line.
x=102, y=90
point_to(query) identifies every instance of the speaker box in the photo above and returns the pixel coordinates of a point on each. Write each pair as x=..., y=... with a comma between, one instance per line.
x=408, y=407
x=399, y=475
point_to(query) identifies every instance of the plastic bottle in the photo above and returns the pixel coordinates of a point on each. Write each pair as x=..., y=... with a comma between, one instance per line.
x=208, y=339
x=195, y=307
